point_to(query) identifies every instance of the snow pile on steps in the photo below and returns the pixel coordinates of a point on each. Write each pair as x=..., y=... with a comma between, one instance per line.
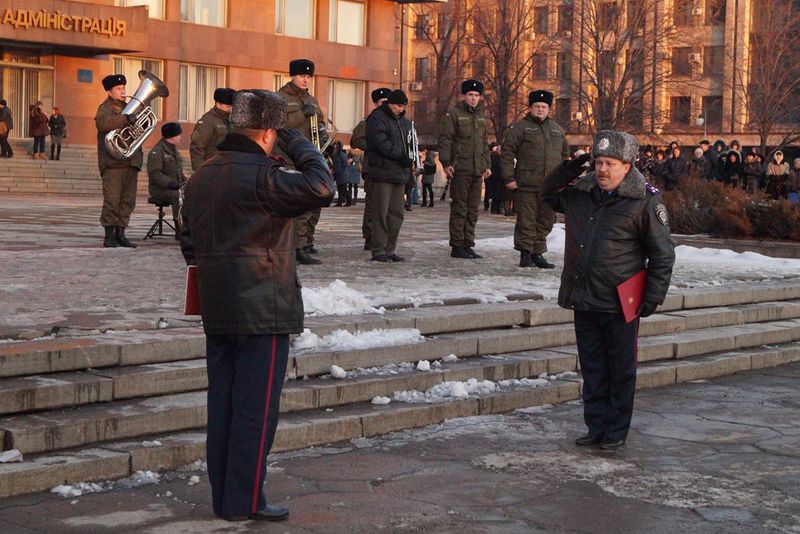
x=336, y=299
x=344, y=340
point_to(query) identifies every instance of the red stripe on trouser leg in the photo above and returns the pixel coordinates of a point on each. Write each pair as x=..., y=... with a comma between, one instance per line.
x=254, y=507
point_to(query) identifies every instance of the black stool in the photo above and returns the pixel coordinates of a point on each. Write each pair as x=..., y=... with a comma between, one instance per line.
x=158, y=226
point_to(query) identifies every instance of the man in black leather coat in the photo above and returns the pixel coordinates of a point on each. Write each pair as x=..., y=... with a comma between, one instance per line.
x=238, y=212
x=616, y=226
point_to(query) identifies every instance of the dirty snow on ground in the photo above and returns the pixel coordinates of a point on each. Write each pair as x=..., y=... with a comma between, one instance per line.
x=336, y=299
x=139, y=478
x=344, y=340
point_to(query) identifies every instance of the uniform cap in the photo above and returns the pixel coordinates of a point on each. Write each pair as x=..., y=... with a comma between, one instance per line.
x=380, y=93
x=471, y=85
x=257, y=109
x=618, y=145
x=224, y=95
x=397, y=97
x=540, y=96
x=301, y=66
x=171, y=129
x=113, y=80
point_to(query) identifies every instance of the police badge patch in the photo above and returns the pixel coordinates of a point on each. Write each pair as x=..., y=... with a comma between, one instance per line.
x=661, y=213
x=603, y=144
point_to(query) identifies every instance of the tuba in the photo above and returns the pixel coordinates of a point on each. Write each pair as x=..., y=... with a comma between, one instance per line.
x=123, y=142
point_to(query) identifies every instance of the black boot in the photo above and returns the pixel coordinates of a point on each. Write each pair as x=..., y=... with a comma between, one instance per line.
x=473, y=254
x=124, y=241
x=525, y=259
x=52, y=152
x=542, y=263
x=58, y=152
x=303, y=258
x=110, y=241
x=310, y=249
x=461, y=253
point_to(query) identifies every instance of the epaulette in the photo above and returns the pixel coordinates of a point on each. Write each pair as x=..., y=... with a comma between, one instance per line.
x=653, y=190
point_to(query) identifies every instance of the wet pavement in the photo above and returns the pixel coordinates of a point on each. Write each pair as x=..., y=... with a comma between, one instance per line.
x=709, y=456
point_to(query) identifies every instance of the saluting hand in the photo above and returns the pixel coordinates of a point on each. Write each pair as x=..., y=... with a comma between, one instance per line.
x=450, y=171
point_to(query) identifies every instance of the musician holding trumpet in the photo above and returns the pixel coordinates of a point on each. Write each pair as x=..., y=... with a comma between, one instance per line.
x=119, y=175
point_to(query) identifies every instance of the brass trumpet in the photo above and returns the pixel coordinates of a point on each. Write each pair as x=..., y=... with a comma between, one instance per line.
x=317, y=131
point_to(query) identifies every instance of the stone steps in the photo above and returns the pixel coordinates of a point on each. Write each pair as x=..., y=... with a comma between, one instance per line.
x=517, y=357
x=316, y=427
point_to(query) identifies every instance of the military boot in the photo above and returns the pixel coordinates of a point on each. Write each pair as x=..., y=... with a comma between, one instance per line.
x=124, y=241
x=460, y=252
x=303, y=258
x=110, y=241
x=542, y=263
x=525, y=259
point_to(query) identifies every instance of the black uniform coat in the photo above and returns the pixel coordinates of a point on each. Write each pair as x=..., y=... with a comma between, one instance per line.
x=609, y=239
x=387, y=147
x=238, y=229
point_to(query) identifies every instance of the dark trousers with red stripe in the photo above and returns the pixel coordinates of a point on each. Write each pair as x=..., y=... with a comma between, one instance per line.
x=245, y=378
x=607, y=352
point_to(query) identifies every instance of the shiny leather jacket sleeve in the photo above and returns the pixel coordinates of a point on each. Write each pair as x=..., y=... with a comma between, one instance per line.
x=289, y=192
x=660, y=251
x=555, y=183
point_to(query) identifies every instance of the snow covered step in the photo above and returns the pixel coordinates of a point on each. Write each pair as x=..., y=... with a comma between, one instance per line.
x=316, y=427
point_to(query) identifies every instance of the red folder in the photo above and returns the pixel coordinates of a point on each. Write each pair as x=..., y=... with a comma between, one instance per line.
x=191, y=305
x=630, y=294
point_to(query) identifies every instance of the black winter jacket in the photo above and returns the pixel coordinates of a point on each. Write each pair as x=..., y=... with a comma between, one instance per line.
x=609, y=239
x=387, y=147
x=239, y=230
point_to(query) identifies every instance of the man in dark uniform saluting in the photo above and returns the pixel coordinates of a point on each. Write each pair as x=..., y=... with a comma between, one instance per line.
x=239, y=209
x=119, y=175
x=212, y=128
x=616, y=226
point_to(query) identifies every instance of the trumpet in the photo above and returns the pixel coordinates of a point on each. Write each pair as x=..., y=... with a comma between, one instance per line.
x=413, y=148
x=317, y=132
x=123, y=142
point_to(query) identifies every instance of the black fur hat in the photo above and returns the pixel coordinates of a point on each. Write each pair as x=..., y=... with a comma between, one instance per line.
x=224, y=95
x=258, y=109
x=397, y=97
x=379, y=93
x=471, y=85
x=301, y=66
x=171, y=129
x=113, y=80
x=540, y=96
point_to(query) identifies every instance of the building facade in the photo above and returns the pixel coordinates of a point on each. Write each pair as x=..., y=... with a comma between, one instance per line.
x=674, y=69
x=58, y=51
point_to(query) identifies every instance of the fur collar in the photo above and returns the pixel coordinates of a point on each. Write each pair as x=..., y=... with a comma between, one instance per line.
x=633, y=186
x=234, y=142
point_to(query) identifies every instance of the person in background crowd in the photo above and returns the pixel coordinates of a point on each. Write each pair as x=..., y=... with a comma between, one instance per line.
x=735, y=145
x=699, y=166
x=6, y=125
x=659, y=168
x=353, y=177
x=777, y=176
x=677, y=168
x=717, y=160
x=38, y=130
x=339, y=160
x=428, y=177
x=212, y=128
x=165, y=168
x=58, y=131
x=645, y=163
x=762, y=168
x=495, y=181
x=410, y=190
x=793, y=184
x=751, y=173
x=732, y=168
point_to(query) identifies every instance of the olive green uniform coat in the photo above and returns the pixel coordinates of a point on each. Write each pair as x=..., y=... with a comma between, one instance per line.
x=209, y=131
x=538, y=146
x=463, y=143
x=119, y=176
x=165, y=165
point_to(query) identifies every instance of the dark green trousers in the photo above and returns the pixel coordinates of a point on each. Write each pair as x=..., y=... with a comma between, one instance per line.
x=388, y=210
x=305, y=226
x=119, y=196
x=534, y=221
x=465, y=196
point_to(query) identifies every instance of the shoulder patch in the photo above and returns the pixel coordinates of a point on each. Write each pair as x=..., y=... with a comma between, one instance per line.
x=200, y=121
x=651, y=188
x=661, y=213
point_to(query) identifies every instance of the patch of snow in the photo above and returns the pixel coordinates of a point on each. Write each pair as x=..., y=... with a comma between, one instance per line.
x=140, y=478
x=194, y=479
x=524, y=382
x=381, y=400
x=446, y=391
x=336, y=299
x=7, y=457
x=306, y=340
x=154, y=443
x=450, y=358
x=78, y=489
x=344, y=340
x=338, y=372
x=423, y=365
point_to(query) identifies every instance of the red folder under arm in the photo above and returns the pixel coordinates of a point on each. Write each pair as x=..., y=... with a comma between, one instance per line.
x=630, y=294
x=191, y=304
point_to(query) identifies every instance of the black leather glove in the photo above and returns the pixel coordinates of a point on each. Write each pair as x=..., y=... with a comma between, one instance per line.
x=309, y=110
x=575, y=167
x=287, y=138
x=646, y=309
x=131, y=118
x=173, y=184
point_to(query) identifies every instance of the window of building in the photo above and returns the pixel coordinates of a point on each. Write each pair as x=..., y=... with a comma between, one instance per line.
x=422, y=26
x=196, y=90
x=443, y=23
x=562, y=112
x=348, y=22
x=606, y=67
x=279, y=80
x=564, y=66
x=680, y=61
x=208, y=12
x=539, y=67
x=564, y=18
x=607, y=16
x=155, y=8
x=422, y=69
x=345, y=104
x=682, y=13
x=715, y=12
x=130, y=67
x=479, y=66
x=680, y=109
x=712, y=111
x=540, y=15
x=713, y=60
x=295, y=18
x=635, y=16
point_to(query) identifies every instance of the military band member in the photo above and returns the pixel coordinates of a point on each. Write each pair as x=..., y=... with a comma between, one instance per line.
x=301, y=107
x=238, y=214
x=119, y=175
x=464, y=153
x=390, y=170
x=165, y=168
x=537, y=144
x=212, y=128
x=359, y=140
